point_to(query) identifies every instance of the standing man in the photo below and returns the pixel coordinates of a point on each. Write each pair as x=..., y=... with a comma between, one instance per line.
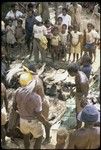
x=75, y=10
x=82, y=87
x=29, y=106
x=87, y=137
x=29, y=23
x=66, y=18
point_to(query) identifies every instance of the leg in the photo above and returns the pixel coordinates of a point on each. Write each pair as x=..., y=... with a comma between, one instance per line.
x=90, y=54
x=73, y=56
x=77, y=56
x=3, y=134
x=36, y=50
x=43, y=54
x=27, y=141
x=38, y=142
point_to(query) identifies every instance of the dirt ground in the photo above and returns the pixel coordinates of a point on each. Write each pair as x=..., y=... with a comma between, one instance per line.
x=54, y=128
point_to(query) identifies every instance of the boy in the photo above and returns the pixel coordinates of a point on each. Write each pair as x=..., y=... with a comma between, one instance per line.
x=61, y=138
x=81, y=84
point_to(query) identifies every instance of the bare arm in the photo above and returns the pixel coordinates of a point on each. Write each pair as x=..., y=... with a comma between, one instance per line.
x=71, y=144
x=5, y=101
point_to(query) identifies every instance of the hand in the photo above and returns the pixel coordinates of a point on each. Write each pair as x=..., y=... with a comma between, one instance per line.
x=48, y=125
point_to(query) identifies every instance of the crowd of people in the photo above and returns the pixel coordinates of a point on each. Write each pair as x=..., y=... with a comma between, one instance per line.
x=62, y=39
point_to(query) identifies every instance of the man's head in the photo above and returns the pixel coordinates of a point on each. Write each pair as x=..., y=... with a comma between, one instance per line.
x=64, y=11
x=61, y=135
x=90, y=26
x=64, y=27
x=59, y=20
x=30, y=6
x=89, y=115
x=75, y=4
x=73, y=69
x=30, y=13
x=14, y=7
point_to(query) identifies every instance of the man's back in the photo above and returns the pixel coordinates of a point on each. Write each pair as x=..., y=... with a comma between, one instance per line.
x=85, y=138
x=27, y=103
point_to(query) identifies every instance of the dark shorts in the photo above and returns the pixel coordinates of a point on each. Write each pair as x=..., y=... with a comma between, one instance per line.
x=90, y=47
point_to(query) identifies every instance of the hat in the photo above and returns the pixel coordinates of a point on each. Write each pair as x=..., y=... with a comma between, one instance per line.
x=89, y=114
x=38, y=18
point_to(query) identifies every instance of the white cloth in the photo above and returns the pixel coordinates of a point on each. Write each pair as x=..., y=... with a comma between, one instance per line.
x=83, y=77
x=11, y=14
x=63, y=38
x=39, y=31
x=75, y=36
x=66, y=19
x=91, y=36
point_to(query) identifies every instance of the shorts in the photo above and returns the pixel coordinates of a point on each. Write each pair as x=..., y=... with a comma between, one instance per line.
x=34, y=127
x=90, y=47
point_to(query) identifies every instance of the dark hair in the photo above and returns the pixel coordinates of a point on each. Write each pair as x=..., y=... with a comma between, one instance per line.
x=59, y=18
x=70, y=27
x=30, y=5
x=64, y=9
x=32, y=67
x=47, y=21
x=13, y=5
x=64, y=25
x=73, y=67
x=19, y=21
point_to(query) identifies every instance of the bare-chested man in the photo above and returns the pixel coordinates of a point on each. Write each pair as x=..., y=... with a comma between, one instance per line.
x=87, y=137
x=82, y=86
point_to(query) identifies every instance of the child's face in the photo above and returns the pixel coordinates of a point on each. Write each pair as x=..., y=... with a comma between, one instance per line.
x=19, y=24
x=61, y=139
x=75, y=28
x=55, y=32
x=48, y=24
x=30, y=13
x=63, y=28
x=89, y=27
x=70, y=29
x=10, y=23
x=60, y=21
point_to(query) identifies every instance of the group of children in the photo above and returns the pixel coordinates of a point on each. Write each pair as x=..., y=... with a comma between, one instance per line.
x=60, y=38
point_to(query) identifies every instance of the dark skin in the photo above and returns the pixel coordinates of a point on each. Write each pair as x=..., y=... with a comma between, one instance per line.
x=60, y=142
x=90, y=27
x=84, y=138
x=76, y=55
x=38, y=141
x=81, y=90
x=39, y=89
x=3, y=99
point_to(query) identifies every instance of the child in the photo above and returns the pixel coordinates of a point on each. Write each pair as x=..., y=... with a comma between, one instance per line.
x=49, y=27
x=39, y=32
x=75, y=42
x=81, y=84
x=59, y=23
x=70, y=28
x=61, y=138
x=19, y=33
x=10, y=31
x=91, y=38
x=86, y=65
x=55, y=44
x=63, y=36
